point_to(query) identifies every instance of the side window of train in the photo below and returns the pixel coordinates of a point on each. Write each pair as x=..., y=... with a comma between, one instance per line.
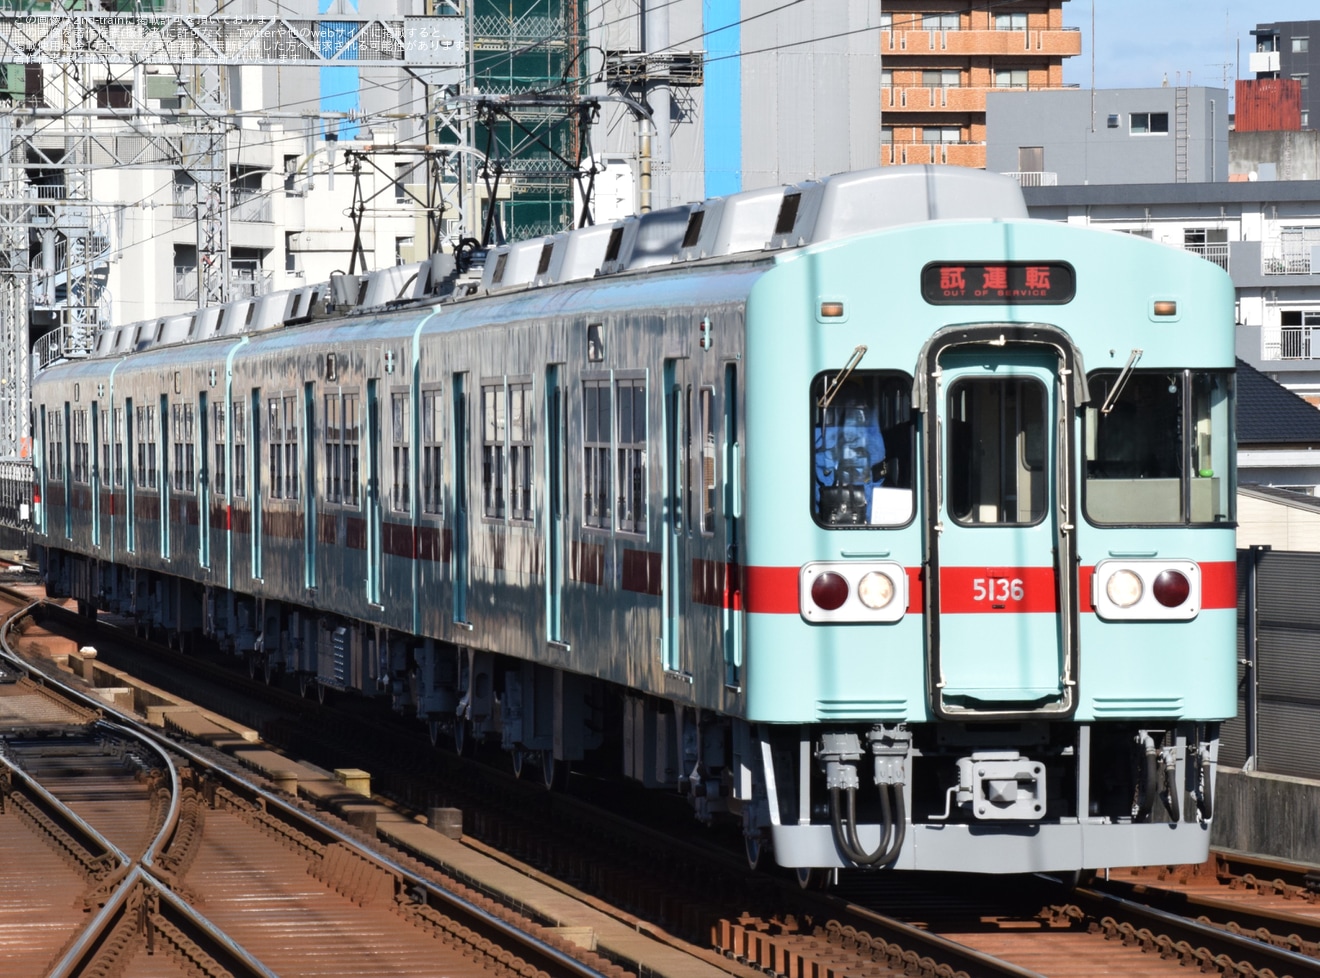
x=400, y=435
x=596, y=453
x=630, y=413
x=433, y=467
x=863, y=448
x=119, y=438
x=521, y=428
x=55, y=445
x=78, y=439
x=506, y=450
x=494, y=432
x=614, y=420
x=182, y=420
x=219, y=471
x=701, y=466
x=343, y=440
x=282, y=437
x=238, y=431
x=146, y=446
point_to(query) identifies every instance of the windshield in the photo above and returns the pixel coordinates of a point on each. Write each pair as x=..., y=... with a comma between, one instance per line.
x=1163, y=454
x=862, y=449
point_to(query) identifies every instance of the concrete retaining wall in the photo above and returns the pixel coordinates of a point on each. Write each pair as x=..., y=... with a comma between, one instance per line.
x=1267, y=814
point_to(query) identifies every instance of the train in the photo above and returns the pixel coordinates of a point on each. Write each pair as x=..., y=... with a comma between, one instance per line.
x=872, y=516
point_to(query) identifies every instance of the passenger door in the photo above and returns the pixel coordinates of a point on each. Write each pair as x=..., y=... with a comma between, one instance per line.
x=1001, y=596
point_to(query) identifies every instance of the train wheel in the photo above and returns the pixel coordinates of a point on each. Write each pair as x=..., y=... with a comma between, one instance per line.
x=433, y=731
x=320, y=693
x=554, y=773
x=519, y=758
x=814, y=878
x=251, y=664
x=303, y=681
x=267, y=670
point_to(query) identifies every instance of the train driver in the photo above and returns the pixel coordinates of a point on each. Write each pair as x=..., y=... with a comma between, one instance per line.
x=850, y=456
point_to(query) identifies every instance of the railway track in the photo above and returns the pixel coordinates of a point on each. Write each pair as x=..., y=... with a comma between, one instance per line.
x=149, y=851
x=877, y=925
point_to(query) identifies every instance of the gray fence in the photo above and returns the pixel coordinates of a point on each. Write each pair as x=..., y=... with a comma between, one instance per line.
x=1275, y=731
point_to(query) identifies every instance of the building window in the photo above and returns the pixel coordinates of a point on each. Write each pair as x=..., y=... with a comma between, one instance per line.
x=1301, y=45
x=114, y=95
x=1031, y=159
x=886, y=135
x=1303, y=79
x=941, y=78
x=1306, y=119
x=400, y=490
x=1011, y=77
x=940, y=22
x=1011, y=22
x=432, y=458
x=886, y=78
x=941, y=134
x=1148, y=123
x=1299, y=334
x=886, y=21
x=631, y=402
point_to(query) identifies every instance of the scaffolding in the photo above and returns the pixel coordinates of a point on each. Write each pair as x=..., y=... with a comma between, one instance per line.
x=520, y=49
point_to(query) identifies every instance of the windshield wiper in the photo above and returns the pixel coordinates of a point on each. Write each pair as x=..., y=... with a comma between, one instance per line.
x=832, y=391
x=1124, y=376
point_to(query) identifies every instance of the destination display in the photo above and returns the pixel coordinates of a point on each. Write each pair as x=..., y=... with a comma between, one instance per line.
x=998, y=283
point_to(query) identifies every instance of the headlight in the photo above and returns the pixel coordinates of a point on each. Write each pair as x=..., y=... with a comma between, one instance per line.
x=875, y=590
x=1123, y=588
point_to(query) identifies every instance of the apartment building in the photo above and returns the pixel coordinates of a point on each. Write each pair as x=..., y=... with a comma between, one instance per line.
x=1283, y=50
x=941, y=59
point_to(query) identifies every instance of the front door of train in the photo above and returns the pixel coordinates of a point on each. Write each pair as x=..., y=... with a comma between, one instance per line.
x=1001, y=595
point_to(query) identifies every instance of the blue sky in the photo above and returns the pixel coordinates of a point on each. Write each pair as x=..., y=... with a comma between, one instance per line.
x=1138, y=41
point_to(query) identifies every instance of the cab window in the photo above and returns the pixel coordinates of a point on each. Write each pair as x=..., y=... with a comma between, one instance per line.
x=862, y=449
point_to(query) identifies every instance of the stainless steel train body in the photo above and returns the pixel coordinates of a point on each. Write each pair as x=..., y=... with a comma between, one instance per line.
x=867, y=512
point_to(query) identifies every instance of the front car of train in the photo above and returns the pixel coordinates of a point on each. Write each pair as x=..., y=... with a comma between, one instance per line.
x=990, y=565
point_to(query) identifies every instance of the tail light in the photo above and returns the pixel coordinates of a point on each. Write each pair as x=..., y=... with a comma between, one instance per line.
x=1146, y=590
x=853, y=591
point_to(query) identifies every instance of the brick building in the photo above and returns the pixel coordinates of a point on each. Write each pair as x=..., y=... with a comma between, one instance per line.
x=939, y=60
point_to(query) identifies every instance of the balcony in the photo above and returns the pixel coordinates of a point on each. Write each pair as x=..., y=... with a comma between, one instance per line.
x=1216, y=252
x=1047, y=43
x=244, y=283
x=954, y=154
x=1036, y=178
x=1266, y=62
x=919, y=99
x=1290, y=343
x=250, y=205
x=1275, y=260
